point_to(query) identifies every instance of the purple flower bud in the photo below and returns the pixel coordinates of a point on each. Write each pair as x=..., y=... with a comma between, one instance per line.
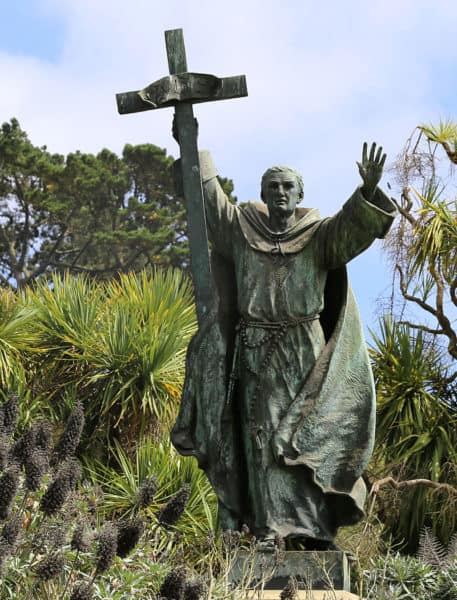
x=10, y=410
x=9, y=483
x=51, y=566
x=173, y=585
x=70, y=438
x=147, y=491
x=82, y=591
x=172, y=511
x=129, y=533
x=107, y=547
x=81, y=538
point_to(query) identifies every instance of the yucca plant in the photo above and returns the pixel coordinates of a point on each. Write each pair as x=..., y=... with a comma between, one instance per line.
x=416, y=431
x=173, y=474
x=119, y=345
x=18, y=337
x=69, y=313
x=137, y=359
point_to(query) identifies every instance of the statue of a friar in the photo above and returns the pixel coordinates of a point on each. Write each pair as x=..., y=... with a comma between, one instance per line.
x=278, y=403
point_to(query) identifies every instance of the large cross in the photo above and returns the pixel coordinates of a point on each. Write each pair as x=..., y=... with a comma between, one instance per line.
x=181, y=89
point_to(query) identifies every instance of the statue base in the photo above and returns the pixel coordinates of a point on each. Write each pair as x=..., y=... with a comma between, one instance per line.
x=313, y=570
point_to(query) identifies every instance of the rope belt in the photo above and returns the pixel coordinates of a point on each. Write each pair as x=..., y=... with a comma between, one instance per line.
x=276, y=331
x=243, y=323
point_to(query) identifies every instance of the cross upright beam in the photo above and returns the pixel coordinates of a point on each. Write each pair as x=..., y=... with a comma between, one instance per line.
x=182, y=89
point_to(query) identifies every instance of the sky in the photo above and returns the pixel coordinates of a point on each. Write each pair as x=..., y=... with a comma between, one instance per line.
x=323, y=77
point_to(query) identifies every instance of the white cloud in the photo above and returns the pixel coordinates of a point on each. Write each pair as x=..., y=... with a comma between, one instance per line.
x=322, y=78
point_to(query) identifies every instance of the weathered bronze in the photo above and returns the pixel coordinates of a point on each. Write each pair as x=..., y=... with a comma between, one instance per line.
x=182, y=89
x=278, y=404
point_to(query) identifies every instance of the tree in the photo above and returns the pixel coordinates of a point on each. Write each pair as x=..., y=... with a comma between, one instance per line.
x=414, y=356
x=416, y=433
x=423, y=246
x=98, y=214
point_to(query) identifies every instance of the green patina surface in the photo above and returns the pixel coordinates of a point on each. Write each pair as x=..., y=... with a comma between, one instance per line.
x=279, y=404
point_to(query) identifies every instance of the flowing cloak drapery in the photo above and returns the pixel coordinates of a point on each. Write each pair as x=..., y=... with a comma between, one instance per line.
x=337, y=396
x=329, y=427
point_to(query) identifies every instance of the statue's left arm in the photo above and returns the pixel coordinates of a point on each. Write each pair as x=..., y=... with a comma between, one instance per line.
x=367, y=215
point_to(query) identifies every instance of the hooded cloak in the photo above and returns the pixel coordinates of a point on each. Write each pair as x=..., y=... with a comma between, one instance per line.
x=328, y=429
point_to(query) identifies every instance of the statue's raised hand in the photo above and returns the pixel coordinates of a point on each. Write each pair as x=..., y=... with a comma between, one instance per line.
x=370, y=168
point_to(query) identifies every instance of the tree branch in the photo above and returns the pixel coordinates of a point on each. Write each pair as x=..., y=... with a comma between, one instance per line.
x=47, y=257
x=453, y=291
x=404, y=290
x=442, y=319
x=6, y=283
x=404, y=208
x=80, y=268
x=409, y=483
x=422, y=327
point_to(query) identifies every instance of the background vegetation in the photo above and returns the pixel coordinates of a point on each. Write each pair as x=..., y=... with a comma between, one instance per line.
x=96, y=312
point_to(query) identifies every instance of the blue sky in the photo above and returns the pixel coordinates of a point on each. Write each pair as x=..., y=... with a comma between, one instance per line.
x=27, y=28
x=322, y=78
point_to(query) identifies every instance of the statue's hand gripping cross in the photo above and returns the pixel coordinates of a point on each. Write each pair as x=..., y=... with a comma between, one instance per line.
x=181, y=89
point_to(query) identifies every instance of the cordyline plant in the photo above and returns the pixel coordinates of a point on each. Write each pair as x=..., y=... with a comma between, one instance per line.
x=414, y=352
x=47, y=524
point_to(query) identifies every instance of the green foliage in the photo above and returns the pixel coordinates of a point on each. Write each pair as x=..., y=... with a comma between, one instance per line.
x=119, y=346
x=416, y=431
x=95, y=213
x=100, y=214
x=444, y=134
x=138, y=358
x=435, y=236
x=17, y=337
x=121, y=483
x=401, y=577
x=28, y=176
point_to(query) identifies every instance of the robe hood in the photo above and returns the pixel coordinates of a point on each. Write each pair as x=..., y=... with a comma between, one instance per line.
x=329, y=427
x=254, y=223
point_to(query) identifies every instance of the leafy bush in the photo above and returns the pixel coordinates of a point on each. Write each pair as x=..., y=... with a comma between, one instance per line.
x=55, y=538
x=430, y=576
x=118, y=346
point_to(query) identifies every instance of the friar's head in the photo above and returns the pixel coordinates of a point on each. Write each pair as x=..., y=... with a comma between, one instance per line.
x=272, y=171
x=281, y=190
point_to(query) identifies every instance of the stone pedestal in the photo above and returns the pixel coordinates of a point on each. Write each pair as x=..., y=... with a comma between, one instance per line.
x=312, y=570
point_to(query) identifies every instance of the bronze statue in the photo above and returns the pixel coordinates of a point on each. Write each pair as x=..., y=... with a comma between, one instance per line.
x=279, y=404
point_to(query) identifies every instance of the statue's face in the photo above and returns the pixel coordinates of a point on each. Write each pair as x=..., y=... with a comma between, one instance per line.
x=281, y=194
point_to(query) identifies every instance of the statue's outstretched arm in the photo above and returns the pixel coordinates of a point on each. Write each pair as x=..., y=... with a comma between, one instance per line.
x=367, y=215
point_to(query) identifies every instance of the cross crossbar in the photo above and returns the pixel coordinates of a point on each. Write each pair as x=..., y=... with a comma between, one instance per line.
x=182, y=89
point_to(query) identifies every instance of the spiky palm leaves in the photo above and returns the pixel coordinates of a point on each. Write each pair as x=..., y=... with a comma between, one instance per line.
x=416, y=431
x=18, y=337
x=169, y=483
x=119, y=346
x=138, y=358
